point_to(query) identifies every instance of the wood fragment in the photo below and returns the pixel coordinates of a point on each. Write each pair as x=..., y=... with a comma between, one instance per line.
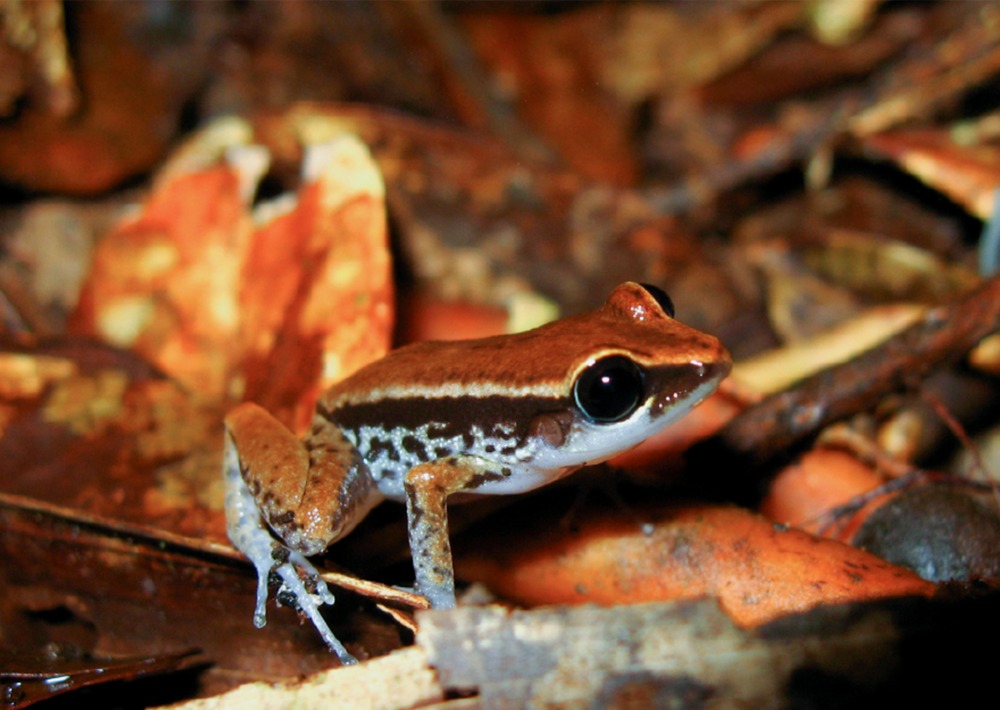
x=941, y=336
x=400, y=680
x=688, y=655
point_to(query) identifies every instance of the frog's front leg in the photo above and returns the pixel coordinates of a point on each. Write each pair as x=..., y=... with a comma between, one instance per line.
x=427, y=487
x=310, y=493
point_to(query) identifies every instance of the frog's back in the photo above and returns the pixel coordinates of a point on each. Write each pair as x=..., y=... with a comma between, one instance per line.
x=453, y=403
x=504, y=397
x=542, y=362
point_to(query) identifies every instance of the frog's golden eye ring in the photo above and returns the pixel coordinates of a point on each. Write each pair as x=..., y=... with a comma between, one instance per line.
x=609, y=390
x=661, y=298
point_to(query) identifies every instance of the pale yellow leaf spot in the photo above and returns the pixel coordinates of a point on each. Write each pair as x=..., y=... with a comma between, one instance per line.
x=121, y=322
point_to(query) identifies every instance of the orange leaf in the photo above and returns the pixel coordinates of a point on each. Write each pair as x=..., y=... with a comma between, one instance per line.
x=164, y=283
x=317, y=288
x=755, y=569
x=804, y=492
x=271, y=313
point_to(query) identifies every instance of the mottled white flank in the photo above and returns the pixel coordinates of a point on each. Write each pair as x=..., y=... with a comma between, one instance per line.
x=389, y=474
x=532, y=464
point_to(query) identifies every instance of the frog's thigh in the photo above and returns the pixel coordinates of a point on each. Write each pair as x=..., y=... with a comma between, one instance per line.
x=428, y=486
x=310, y=492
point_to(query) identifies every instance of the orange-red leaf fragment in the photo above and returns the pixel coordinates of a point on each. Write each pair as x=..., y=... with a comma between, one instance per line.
x=316, y=289
x=164, y=283
x=757, y=571
x=805, y=493
x=269, y=303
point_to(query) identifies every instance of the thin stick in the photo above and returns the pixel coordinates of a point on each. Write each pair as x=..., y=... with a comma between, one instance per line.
x=942, y=336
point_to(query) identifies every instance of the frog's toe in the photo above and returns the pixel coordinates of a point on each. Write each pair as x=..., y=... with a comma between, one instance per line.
x=308, y=599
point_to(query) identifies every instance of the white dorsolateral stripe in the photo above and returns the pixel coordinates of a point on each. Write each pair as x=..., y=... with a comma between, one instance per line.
x=441, y=390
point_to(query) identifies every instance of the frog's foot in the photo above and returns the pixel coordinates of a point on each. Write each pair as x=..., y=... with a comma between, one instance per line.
x=250, y=535
x=296, y=590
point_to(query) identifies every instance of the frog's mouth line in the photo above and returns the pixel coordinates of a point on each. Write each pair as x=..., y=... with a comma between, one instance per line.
x=681, y=387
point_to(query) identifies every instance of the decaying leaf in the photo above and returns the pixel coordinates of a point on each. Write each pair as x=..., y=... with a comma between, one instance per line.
x=165, y=283
x=665, y=551
x=26, y=679
x=123, y=589
x=214, y=294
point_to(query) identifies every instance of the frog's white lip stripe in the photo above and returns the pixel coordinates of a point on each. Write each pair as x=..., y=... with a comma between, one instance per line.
x=594, y=443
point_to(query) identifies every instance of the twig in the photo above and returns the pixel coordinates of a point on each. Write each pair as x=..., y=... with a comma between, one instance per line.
x=942, y=336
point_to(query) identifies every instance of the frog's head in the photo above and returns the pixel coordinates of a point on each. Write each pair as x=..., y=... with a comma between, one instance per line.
x=635, y=370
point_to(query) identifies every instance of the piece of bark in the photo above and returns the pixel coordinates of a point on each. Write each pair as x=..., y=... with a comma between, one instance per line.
x=688, y=655
x=402, y=679
x=941, y=337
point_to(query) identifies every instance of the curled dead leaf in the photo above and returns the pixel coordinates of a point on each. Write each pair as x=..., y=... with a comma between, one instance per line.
x=269, y=303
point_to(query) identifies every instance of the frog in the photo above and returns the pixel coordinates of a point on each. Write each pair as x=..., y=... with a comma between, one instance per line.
x=436, y=421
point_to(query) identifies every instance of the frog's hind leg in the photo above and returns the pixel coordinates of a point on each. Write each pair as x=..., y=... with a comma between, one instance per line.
x=311, y=493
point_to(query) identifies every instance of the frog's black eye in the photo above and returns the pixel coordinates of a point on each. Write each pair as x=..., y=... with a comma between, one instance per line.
x=609, y=390
x=661, y=298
